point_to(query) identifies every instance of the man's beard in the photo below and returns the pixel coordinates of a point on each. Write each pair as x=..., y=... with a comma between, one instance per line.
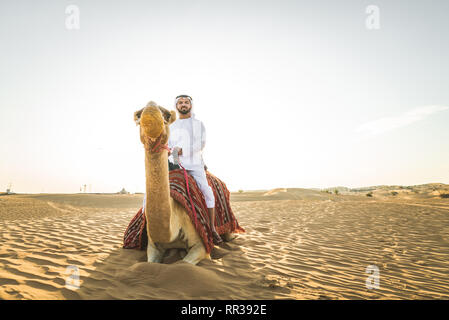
x=184, y=111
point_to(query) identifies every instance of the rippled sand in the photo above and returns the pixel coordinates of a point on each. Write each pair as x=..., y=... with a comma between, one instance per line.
x=299, y=244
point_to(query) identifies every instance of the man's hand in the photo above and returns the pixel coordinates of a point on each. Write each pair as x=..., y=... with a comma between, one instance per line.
x=179, y=151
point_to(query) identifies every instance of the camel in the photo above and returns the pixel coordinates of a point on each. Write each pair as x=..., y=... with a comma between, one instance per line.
x=168, y=223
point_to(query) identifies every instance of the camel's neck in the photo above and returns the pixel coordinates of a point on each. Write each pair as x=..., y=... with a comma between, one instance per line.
x=157, y=205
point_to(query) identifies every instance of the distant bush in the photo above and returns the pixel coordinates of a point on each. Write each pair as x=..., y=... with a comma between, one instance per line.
x=240, y=191
x=369, y=194
x=336, y=191
x=444, y=195
x=394, y=193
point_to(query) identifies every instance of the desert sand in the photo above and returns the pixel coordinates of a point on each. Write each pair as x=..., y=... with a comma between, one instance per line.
x=299, y=244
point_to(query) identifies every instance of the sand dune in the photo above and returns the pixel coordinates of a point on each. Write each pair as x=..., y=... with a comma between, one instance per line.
x=274, y=191
x=300, y=244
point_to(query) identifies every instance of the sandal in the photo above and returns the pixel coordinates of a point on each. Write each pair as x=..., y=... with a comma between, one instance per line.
x=216, y=238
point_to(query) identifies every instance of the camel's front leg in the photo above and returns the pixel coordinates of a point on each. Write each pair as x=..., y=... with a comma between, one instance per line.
x=196, y=253
x=154, y=254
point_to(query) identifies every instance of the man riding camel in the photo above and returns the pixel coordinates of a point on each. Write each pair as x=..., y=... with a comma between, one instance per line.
x=186, y=142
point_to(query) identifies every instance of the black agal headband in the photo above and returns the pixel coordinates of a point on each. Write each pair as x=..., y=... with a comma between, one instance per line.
x=184, y=96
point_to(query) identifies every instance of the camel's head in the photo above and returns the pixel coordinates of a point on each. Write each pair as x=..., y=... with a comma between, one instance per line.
x=154, y=122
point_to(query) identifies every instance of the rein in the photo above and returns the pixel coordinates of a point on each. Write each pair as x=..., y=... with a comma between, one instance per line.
x=158, y=146
x=188, y=192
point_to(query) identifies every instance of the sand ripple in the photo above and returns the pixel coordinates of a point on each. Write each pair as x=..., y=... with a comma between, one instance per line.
x=294, y=249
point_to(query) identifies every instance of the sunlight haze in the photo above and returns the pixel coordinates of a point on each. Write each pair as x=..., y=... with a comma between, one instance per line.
x=292, y=93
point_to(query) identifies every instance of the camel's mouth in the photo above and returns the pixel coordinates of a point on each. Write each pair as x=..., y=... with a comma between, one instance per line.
x=152, y=123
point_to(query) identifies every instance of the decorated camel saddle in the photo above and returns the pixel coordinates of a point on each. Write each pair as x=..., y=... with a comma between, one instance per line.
x=225, y=222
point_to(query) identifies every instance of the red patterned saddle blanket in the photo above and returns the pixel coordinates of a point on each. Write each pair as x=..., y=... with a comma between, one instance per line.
x=225, y=221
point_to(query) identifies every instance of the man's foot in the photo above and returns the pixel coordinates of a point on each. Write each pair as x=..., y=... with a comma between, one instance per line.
x=216, y=238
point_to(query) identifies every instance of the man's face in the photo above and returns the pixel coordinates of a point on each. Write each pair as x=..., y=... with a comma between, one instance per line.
x=183, y=105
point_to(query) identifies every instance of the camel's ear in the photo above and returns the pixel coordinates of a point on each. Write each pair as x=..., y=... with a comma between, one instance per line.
x=169, y=116
x=137, y=115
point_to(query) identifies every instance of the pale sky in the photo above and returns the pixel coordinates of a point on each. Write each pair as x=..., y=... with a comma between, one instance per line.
x=292, y=93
